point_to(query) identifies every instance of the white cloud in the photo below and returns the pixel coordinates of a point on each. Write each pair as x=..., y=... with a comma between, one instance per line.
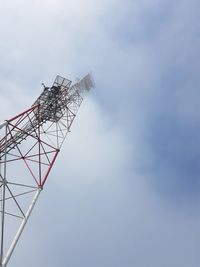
x=96, y=209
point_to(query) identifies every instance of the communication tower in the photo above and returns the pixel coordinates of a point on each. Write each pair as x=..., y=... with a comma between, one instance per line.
x=29, y=145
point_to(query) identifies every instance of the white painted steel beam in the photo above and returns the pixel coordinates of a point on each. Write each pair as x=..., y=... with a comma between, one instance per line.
x=20, y=230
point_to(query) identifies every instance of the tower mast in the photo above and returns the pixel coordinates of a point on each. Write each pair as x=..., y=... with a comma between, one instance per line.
x=29, y=145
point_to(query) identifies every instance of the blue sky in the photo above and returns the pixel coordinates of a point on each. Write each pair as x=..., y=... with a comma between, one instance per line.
x=125, y=190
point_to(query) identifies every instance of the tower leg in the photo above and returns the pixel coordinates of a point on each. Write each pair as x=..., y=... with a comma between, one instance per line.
x=15, y=240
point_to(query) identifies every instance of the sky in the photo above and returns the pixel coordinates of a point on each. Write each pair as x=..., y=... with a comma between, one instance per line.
x=125, y=190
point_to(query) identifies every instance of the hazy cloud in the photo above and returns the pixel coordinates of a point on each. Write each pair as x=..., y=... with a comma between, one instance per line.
x=125, y=189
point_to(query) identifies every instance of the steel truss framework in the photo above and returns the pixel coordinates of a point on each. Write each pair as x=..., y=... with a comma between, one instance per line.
x=29, y=145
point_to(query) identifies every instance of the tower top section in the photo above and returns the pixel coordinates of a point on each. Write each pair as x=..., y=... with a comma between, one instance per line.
x=54, y=100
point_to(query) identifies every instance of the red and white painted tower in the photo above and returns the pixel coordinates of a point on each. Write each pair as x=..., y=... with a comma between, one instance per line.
x=29, y=145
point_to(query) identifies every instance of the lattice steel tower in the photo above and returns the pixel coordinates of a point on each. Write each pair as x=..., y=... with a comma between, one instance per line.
x=29, y=145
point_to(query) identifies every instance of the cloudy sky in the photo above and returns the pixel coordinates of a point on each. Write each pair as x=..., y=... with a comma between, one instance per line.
x=125, y=191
